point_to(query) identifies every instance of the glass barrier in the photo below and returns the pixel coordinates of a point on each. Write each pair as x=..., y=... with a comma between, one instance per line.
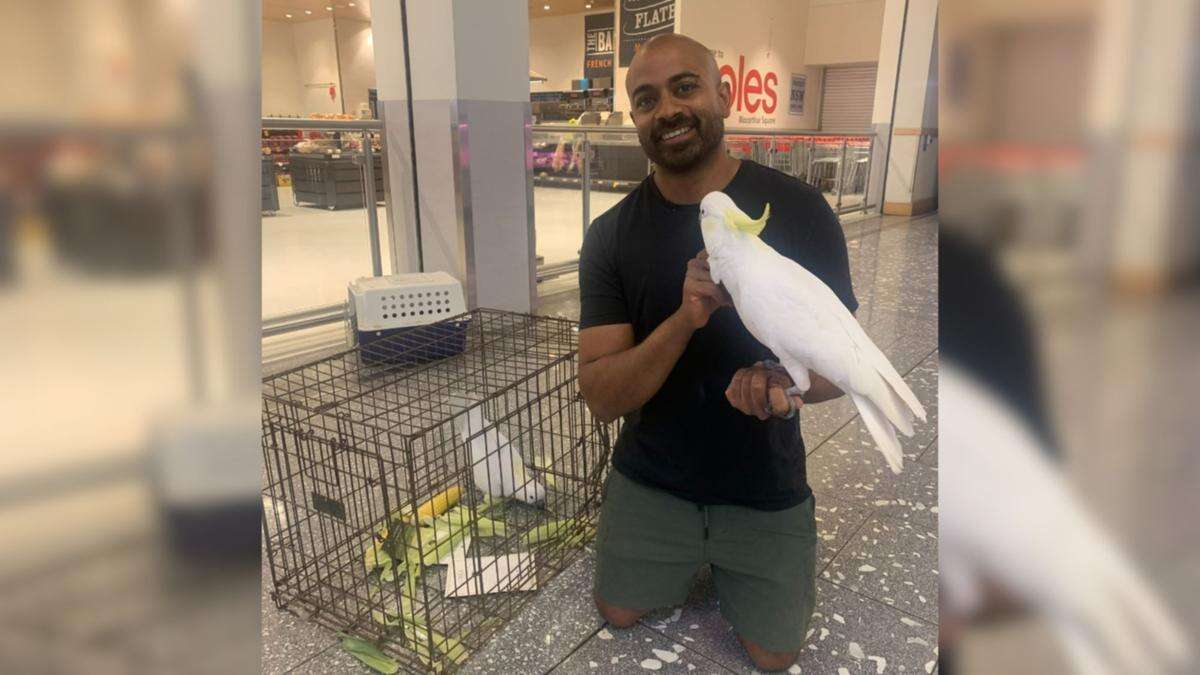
x=569, y=192
x=318, y=233
x=824, y=159
x=838, y=166
x=558, y=168
x=617, y=166
x=856, y=173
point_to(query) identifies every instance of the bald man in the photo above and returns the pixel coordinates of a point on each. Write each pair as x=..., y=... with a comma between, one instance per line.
x=709, y=465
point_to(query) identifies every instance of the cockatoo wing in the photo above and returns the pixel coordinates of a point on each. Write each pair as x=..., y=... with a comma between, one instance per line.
x=847, y=352
x=1008, y=515
x=805, y=324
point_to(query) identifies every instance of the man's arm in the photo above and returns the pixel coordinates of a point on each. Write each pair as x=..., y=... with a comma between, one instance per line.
x=616, y=376
x=760, y=391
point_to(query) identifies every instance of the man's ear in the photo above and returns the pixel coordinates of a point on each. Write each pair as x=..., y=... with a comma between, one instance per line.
x=725, y=96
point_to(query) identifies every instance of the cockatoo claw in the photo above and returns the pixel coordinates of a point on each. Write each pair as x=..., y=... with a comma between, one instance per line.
x=791, y=393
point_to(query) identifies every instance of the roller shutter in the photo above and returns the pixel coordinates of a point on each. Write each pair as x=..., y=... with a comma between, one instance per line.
x=848, y=97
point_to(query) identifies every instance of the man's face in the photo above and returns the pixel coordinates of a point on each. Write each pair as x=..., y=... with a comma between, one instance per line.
x=678, y=105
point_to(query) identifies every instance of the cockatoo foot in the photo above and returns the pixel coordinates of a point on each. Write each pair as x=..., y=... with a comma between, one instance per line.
x=792, y=407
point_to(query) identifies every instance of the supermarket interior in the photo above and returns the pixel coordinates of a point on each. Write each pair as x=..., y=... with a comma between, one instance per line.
x=286, y=284
x=383, y=156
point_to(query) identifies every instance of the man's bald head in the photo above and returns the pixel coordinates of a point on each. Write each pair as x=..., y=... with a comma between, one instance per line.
x=691, y=49
x=677, y=102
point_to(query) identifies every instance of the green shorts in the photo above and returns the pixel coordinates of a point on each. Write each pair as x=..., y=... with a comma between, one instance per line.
x=650, y=545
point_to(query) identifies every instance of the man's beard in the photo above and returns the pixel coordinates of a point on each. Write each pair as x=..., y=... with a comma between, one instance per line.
x=678, y=158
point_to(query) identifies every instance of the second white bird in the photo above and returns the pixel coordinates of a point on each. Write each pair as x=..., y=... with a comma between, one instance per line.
x=496, y=464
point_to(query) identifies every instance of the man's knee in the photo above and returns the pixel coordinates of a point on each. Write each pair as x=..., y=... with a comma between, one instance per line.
x=774, y=661
x=619, y=617
x=768, y=660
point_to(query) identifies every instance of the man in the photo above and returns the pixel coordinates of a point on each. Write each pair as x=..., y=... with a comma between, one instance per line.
x=709, y=466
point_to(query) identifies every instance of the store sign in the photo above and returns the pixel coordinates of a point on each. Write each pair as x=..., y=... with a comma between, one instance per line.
x=597, y=46
x=753, y=92
x=799, y=84
x=642, y=20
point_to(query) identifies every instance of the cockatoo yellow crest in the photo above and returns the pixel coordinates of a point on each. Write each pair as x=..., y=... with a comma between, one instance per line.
x=740, y=221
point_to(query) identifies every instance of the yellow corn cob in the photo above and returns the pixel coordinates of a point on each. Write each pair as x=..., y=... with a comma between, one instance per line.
x=440, y=503
x=434, y=506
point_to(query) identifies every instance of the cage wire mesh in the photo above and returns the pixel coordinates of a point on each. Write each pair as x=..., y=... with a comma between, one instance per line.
x=462, y=449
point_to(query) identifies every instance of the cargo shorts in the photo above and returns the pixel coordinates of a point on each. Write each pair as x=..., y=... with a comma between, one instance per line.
x=650, y=545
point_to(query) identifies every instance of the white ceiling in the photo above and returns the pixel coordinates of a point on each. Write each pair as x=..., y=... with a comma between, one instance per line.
x=277, y=10
x=537, y=8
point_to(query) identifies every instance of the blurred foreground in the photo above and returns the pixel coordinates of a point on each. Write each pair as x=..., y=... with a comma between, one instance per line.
x=1068, y=157
x=129, y=299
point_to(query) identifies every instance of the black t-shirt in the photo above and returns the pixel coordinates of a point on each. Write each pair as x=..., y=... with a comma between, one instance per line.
x=687, y=439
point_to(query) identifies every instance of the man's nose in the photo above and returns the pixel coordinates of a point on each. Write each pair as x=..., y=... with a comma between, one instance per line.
x=668, y=108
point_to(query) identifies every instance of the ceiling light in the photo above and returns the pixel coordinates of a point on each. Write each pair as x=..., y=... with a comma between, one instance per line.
x=352, y=4
x=288, y=15
x=545, y=6
x=308, y=11
x=328, y=8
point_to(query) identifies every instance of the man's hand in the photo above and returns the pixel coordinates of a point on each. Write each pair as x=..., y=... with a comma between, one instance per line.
x=701, y=297
x=761, y=391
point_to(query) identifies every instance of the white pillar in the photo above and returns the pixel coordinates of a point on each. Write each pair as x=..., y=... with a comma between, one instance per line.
x=1142, y=125
x=469, y=62
x=906, y=88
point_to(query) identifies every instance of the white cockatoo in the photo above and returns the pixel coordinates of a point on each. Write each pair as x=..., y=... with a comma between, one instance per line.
x=794, y=314
x=496, y=464
x=1007, y=517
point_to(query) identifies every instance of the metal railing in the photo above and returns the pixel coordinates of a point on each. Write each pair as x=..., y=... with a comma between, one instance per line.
x=806, y=155
x=319, y=316
x=842, y=162
x=308, y=318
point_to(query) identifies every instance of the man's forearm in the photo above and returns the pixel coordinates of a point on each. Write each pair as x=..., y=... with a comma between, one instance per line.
x=620, y=383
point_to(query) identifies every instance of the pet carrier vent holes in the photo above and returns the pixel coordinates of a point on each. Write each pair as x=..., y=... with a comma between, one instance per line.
x=415, y=304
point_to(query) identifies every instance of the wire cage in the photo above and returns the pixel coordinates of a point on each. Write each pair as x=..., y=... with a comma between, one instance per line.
x=416, y=495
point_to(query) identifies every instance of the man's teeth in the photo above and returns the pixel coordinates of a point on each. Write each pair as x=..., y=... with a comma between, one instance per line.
x=678, y=132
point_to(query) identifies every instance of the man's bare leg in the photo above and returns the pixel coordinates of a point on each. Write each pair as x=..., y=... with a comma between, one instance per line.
x=619, y=617
x=768, y=660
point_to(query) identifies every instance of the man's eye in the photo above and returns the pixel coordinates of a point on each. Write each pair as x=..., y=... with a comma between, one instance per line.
x=686, y=88
x=645, y=103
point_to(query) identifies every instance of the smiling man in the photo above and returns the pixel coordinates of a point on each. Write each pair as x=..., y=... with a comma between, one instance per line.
x=709, y=466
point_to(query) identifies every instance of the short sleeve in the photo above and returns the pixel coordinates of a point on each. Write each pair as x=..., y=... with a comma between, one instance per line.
x=601, y=297
x=826, y=253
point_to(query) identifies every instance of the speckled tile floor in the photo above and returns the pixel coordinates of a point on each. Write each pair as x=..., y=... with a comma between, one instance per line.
x=877, y=556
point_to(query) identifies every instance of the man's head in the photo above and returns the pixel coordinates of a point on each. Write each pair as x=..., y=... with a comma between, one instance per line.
x=678, y=101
